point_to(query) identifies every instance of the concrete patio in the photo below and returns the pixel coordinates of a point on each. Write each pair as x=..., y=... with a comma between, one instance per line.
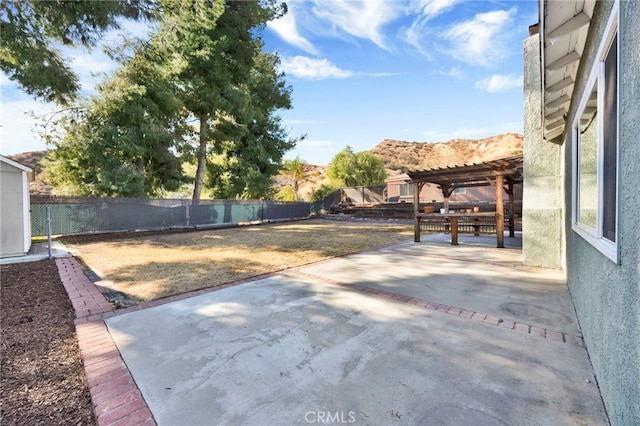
x=416, y=333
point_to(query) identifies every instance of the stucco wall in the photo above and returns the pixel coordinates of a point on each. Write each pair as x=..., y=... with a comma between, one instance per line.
x=607, y=295
x=542, y=206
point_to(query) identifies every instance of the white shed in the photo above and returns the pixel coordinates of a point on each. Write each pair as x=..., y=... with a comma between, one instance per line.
x=15, y=219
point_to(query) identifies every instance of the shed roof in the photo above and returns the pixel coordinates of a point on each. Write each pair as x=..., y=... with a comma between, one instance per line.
x=476, y=174
x=15, y=164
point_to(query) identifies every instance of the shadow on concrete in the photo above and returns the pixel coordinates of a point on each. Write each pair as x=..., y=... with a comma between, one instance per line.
x=298, y=348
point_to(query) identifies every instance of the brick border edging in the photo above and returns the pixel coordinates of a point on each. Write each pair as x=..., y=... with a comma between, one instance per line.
x=461, y=312
x=115, y=396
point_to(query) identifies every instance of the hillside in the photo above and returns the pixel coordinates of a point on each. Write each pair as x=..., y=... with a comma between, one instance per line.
x=32, y=159
x=398, y=157
x=404, y=156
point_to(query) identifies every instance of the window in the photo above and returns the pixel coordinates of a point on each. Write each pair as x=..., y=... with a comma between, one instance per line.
x=595, y=143
x=406, y=189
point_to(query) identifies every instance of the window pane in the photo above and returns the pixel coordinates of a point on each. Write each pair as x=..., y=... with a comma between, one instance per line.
x=610, y=133
x=406, y=189
x=588, y=162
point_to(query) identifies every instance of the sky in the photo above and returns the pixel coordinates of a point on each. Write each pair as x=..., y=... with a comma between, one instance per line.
x=362, y=71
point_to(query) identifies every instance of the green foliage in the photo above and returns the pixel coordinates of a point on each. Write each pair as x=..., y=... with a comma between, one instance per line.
x=232, y=90
x=323, y=192
x=202, y=65
x=123, y=142
x=356, y=169
x=286, y=194
x=248, y=157
x=31, y=29
x=294, y=170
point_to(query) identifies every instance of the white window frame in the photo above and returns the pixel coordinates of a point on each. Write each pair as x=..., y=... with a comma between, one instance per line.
x=597, y=77
x=405, y=187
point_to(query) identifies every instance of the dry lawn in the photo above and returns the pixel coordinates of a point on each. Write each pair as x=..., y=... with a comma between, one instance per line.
x=152, y=267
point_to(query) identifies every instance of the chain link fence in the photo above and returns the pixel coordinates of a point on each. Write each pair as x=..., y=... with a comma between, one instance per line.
x=79, y=215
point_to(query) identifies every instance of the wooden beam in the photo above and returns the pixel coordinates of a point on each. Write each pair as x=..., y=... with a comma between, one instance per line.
x=500, y=210
x=573, y=24
x=454, y=230
x=555, y=115
x=416, y=207
x=512, y=217
x=567, y=59
x=560, y=85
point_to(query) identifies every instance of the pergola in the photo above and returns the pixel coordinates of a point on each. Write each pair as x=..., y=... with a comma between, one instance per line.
x=502, y=174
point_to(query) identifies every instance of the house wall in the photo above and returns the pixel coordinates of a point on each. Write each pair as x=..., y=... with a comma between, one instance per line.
x=607, y=295
x=14, y=211
x=432, y=193
x=543, y=201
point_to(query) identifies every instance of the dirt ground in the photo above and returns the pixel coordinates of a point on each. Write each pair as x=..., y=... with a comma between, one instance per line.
x=43, y=381
x=148, y=267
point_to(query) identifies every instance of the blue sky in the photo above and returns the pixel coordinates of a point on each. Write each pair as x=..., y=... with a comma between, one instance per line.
x=365, y=70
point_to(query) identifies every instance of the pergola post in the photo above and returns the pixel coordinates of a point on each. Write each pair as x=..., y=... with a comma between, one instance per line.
x=416, y=208
x=446, y=193
x=512, y=218
x=500, y=210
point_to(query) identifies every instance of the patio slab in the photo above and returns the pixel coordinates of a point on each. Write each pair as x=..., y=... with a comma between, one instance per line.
x=302, y=348
x=482, y=279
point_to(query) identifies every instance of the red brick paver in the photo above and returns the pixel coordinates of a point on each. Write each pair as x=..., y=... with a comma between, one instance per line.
x=115, y=396
x=457, y=311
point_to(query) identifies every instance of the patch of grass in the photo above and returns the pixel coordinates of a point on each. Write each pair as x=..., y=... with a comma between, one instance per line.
x=155, y=266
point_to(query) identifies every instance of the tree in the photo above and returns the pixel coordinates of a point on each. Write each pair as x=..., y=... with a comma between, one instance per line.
x=356, y=169
x=31, y=30
x=294, y=170
x=122, y=142
x=244, y=167
x=286, y=194
x=323, y=192
x=217, y=58
x=203, y=65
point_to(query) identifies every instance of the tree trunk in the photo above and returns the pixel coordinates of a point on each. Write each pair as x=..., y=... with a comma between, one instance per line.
x=201, y=155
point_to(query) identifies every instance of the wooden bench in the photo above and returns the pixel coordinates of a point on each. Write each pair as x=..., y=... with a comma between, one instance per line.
x=458, y=223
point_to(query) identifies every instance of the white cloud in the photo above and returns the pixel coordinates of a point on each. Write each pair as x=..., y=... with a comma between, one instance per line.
x=500, y=83
x=453, y=72
x=92, y=68
x=479, y=41
x=432, y=8
x=320, y=69
x=17, y=126
x=312, y=69
x=424, y=11
x=286, y=28
x=359, y=18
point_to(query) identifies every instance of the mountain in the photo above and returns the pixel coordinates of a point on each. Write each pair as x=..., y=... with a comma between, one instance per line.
x=32, y=159
x=403, y=156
